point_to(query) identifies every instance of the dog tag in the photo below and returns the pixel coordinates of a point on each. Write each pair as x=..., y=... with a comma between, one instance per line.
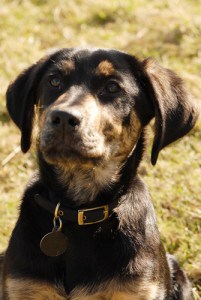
x=54, y=243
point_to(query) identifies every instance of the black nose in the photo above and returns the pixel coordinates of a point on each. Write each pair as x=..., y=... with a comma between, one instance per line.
x=62, y=118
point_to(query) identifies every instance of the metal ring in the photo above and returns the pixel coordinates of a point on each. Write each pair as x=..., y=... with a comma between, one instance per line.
x=56, y=210
x=60, y=213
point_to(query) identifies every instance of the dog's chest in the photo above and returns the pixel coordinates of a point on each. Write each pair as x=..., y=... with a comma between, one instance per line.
x=132, y=291
x=111, y=290
x=107, y=291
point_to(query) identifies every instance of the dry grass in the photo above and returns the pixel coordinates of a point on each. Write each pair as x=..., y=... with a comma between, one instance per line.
x=168, y=30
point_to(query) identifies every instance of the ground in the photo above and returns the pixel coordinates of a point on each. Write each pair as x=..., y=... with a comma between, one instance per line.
x=169, y=31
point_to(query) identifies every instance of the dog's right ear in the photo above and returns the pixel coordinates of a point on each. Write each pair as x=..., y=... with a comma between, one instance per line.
x=21, y=96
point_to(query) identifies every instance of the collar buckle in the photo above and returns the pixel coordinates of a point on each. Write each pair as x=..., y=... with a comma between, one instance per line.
x=93, y=215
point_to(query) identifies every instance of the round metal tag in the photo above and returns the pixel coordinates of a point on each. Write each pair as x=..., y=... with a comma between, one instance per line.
x=54, y=243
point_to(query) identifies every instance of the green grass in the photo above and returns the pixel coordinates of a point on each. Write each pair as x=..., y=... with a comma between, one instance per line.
x=170, y=31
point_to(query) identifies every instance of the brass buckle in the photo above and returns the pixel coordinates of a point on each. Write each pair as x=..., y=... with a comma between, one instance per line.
x=82, y=217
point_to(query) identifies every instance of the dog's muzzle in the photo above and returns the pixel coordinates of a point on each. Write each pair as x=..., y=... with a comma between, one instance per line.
x=68, y=133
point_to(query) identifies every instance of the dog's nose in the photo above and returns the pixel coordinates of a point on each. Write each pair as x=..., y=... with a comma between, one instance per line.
x=71, y=120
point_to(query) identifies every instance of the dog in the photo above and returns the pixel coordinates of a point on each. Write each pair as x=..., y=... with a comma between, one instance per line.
x=87, y=228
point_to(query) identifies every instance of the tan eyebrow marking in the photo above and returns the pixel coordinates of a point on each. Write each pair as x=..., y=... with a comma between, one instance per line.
x=105, y=68
x=67, y=66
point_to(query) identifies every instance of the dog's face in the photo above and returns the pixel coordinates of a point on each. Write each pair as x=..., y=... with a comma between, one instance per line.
x=94, y=104
x=88, y=109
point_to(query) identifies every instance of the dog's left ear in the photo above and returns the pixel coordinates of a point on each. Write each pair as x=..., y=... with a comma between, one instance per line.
x=175, y=113
x=21, y=97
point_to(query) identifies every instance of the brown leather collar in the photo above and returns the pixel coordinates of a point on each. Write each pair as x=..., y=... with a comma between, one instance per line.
x=81, y=216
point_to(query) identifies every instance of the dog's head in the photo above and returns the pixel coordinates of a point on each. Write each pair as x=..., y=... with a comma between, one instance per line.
x=94, y=104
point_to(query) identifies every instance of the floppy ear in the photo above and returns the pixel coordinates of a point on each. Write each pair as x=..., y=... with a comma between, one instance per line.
x=21, y=97
x=175, y=113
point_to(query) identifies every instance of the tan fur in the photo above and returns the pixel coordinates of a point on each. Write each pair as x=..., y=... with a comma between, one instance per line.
x=27, y=289
x=129, y=136
x=114, y=290
x=105, y=68
x=67, y=66
x=18, y=289
x=85, y=182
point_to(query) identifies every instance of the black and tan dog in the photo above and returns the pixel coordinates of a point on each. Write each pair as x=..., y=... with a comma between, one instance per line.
x=87, y=228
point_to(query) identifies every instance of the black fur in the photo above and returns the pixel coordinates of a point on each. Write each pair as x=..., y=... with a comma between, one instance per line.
x=125, y=247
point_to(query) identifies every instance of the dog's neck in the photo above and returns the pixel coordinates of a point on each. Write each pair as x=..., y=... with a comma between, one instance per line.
x=84, y=184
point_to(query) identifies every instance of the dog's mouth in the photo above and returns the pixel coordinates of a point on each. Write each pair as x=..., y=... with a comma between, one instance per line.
x=58, y=149
x=62, y=152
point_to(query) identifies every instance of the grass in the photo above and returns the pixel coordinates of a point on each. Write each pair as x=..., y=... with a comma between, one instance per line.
x=170, y=31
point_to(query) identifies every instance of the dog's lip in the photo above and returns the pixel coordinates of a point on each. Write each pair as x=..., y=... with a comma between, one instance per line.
x=82, y=153
x=90, y=148
x=51, y=157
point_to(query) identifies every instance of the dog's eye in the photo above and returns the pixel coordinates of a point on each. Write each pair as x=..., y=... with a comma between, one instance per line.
x=55, y=82
x=112, y=87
